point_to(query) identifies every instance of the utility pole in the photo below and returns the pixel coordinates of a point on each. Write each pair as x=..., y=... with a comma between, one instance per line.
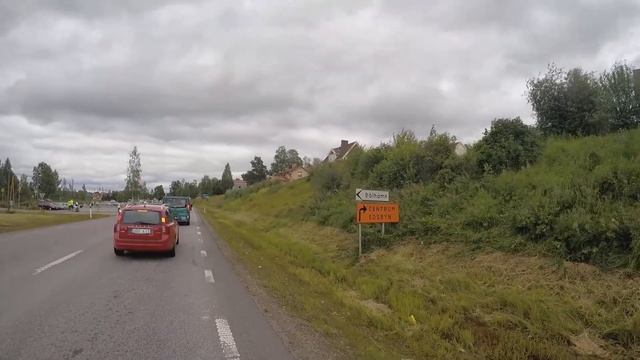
x=9, y=179
x=18, y=204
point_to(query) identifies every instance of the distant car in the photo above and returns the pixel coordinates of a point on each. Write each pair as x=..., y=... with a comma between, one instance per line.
x=145, y=228
x=180, y=207
x=48, y=205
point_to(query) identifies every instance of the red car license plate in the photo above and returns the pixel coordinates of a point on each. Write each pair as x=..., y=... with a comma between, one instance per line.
x=141, y=231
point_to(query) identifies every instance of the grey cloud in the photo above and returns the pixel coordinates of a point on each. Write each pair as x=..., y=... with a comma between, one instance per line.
x=196, y=84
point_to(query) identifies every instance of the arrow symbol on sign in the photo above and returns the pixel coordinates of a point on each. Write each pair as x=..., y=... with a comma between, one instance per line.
x=360, y=211
x=358, y=195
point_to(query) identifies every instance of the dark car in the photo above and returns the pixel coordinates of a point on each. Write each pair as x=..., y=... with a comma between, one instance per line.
x=180, y=207
x=145, y=228
x=47, y=204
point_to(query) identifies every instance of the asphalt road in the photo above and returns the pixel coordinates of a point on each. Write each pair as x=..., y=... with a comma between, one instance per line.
x=65, y=295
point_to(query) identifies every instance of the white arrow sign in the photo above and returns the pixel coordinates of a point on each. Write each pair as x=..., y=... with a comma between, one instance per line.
x=371, y=195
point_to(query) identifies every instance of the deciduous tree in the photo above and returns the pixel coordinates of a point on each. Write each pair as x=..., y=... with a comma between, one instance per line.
x=257, y=173
x=133, y=184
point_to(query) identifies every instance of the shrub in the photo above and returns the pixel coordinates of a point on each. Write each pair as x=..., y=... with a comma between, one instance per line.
x=326, y=178
x=508, y=145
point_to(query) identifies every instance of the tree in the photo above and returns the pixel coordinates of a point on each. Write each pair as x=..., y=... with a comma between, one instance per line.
x=226, y=181
x=175, y=188
x=508, y=145
x=582, y=94
x=436, y=150
x=133, y=184
x=257, y=173
x=216, y=187
x=285, y=160
x=45, y=180
x=24, y=191
x=279, y=163
x=565, y=103
x=158, y=192
x=293, y=159
x=547, y=98
x=618, y=102
x=205, y=185
x=7, y=177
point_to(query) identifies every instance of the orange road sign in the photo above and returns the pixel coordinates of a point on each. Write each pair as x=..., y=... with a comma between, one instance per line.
x=375, y=213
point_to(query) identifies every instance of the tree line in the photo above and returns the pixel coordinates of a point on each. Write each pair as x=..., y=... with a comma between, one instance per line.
x=581, y=103
x=284, y=160
x=45, y=182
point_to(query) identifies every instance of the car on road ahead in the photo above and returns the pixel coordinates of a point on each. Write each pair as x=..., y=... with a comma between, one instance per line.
x=180, y=207
x=145, y=228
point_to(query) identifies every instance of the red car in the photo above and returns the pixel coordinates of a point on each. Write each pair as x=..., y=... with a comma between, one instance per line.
x=145, y=228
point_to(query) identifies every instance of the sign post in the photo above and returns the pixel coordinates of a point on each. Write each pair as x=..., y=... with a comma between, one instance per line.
x=373, y=207
x=359, y=240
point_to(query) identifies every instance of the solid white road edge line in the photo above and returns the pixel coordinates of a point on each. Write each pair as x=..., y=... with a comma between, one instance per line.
x=203, y=253
x=208, y=275
x=54, y=263
x=227, y=342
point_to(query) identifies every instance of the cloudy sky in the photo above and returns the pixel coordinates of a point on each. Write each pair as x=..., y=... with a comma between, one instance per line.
x=196, y=84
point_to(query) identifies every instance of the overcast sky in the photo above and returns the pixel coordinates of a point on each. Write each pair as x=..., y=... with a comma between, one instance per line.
x=197, y=84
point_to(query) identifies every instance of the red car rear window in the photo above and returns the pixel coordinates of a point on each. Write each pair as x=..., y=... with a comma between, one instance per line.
x=142, y=217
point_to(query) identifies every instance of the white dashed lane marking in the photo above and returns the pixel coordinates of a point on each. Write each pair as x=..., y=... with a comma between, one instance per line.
x=203, y=253
x=200, y=241
x=227, y=342
x=208, y=275
x=199, y=233
x=56, y=262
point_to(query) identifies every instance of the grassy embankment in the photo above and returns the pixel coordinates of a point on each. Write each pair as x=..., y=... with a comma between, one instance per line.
x=22, y=220
x=460, y=282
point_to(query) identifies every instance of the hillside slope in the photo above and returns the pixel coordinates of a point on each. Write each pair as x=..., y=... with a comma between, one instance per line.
x=418, y=298
x=580, y=201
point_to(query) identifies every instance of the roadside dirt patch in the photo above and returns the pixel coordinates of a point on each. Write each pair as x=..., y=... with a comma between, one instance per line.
x=585, y=345
x=369, y=303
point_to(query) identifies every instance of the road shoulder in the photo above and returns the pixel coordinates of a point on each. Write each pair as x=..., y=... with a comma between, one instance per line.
x=300, y=339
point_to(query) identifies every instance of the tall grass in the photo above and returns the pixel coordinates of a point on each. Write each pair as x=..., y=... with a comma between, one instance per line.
x=444, y=301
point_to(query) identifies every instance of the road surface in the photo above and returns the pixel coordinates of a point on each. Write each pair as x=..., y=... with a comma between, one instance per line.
x=65, y=295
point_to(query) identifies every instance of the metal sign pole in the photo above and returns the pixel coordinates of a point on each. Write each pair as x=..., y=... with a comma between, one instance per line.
x=359, y=240
x=382, y=229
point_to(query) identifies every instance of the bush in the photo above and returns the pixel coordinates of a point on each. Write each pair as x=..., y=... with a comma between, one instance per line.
x=508, y=145
x=326, y=178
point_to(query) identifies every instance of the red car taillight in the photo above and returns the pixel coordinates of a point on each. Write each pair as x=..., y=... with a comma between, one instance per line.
x=165, y=229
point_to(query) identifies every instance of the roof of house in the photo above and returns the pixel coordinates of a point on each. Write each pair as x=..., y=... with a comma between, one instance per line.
x=342, y=150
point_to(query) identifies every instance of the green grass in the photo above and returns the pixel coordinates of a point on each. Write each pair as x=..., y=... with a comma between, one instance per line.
x=415, y=301
x=579, y=202
x=31, y=219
